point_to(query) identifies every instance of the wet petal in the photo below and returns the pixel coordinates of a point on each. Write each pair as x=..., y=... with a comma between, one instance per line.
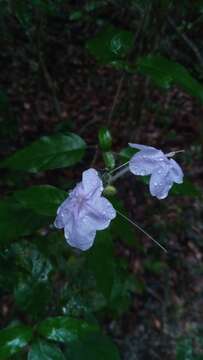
x=84, y=212
x=98, y=214
x=59, y=223
x=160, y=182
x=78, y=239
x=62, y=215
x=92, y=183
x=144, y=162
x=176, y=172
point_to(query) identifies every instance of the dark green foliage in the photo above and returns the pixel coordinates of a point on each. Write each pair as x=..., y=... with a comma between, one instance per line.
x=45, y=351
x=52, y=152
x=16, y=221
x=91, y=347
x=165, y=72
x=44, y=199
x=111, y=45
x=65, y=329
x=14, y=339
x=101, y=257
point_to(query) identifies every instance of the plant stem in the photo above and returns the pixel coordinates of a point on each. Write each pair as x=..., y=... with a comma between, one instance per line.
x=119, y=174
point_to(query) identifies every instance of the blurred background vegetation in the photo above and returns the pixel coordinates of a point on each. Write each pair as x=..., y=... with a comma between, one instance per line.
x=69, y=69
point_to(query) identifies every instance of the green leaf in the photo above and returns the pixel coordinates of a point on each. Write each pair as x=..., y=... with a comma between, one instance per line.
x=100, y=257
x=42, y=350
x=127, y=153
x=49, y=152
x=76, y=15
x=93, y=347
x=43, y=199
x=165, y=72
x=15, y=221
x=33, y=296
x=120, y=227
x=187, y=188
x=184, y=349
x=32, y=289
x=13, y=339
x=65, y=329
x=29, y=258
x=111, y=44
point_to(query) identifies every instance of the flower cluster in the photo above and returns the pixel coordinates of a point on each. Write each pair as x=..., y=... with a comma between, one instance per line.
x=85, y=210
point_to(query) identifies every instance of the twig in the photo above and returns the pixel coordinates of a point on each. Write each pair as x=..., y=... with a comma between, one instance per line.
x=188, y=41
x=91, y=122
x=51, y=85
x=113, y=106
x=115, y=99
x=46, y=73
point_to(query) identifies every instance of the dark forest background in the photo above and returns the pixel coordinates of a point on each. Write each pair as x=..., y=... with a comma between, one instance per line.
x=71, y=70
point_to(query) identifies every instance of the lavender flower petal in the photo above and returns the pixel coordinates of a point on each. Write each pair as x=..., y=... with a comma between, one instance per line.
x=92, y=184
x=144, y=162
x=176, y=172
x=84, y=212
x=160, y=182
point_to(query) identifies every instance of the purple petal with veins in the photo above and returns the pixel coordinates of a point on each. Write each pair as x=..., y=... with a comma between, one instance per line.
x=85, y=211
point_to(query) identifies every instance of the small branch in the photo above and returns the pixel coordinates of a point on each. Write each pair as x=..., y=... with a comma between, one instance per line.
x=119, y=174
x=115, y=99
x=46, y=73
x=89, y=123
x=188, y=41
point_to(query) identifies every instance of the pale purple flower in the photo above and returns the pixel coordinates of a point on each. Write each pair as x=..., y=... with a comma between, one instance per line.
x=163, y=170
x=85, y=211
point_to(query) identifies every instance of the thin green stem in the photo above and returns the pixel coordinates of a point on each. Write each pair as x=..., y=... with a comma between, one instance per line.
x=119, y=167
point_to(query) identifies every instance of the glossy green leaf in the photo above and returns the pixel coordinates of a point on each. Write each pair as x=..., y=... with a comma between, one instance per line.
x=43, y=199
x=15, y=221
x=29, y=258
x=42, y=350
x=49, y=152
x=32, y=289
x=105, y=139
x=165, y=72
x=93, y=347
x=65, y=329
x=100, y=257
x=111, y=44
x=13, y=339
